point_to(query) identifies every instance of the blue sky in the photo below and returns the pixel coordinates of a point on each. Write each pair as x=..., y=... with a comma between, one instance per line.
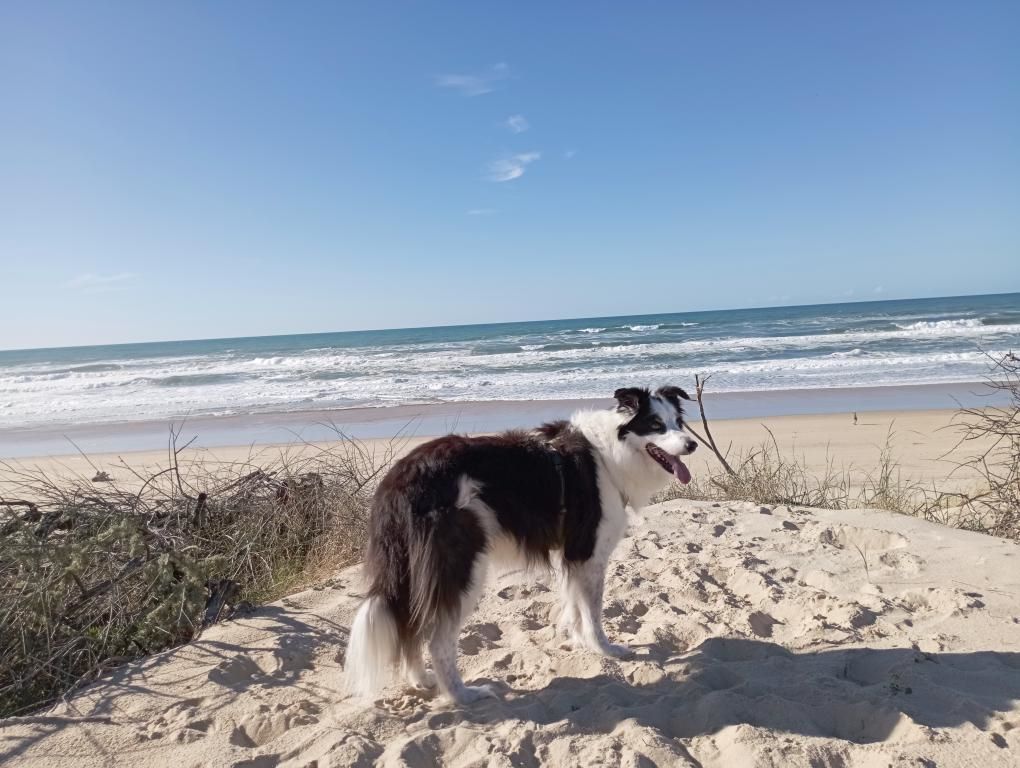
x=188, y=170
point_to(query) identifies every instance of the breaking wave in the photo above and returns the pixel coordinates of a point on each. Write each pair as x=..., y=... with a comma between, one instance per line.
x=922, y=342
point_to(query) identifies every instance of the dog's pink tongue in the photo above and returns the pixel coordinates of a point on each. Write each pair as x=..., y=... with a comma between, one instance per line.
x=680, y=470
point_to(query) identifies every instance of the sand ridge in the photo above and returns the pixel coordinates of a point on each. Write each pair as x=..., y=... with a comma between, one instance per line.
x=764, y=636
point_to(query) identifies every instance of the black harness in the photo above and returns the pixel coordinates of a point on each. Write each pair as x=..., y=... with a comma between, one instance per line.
x=557, y=458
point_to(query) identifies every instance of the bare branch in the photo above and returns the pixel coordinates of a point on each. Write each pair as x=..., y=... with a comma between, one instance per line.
x=699, y=388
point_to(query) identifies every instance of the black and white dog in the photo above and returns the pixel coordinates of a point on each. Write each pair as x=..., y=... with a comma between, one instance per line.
x=453, y=506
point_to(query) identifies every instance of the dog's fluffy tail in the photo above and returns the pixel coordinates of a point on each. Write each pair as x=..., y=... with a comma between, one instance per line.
x=373, y=649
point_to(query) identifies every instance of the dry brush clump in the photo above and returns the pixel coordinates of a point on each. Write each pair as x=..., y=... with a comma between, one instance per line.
x=995, y=432
x=766, y=475
x=96, y=572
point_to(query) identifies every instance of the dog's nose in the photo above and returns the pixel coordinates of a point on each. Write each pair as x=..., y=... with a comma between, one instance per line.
x=691, y=445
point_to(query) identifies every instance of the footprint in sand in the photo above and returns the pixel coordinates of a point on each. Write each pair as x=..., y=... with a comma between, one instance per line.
x=184, y=721
x=237, y=672
x=864, y=539
x=762, y=623
x=479, y=637
x=904, y=563
x=271, y=722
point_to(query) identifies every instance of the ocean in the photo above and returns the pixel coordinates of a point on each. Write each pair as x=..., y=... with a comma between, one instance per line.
x=867, y=344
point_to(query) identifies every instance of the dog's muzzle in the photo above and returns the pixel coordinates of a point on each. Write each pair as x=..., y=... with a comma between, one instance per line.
x=670, y=463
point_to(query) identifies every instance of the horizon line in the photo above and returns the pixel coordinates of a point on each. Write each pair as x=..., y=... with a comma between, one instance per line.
x=494, y=323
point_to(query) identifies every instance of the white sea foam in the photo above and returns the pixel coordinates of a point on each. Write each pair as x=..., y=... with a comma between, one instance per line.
x=513, y=367
x=942, y=326
x=642, y=327
x=855, y=352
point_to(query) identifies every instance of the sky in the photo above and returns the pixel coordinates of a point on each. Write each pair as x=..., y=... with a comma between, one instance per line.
x=194, y=170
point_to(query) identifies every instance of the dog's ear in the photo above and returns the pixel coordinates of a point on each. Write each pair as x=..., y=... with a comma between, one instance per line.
x=628, y=399
x=673, y=393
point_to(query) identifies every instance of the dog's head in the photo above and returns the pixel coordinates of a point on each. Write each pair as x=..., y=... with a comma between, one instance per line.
x=654, y=424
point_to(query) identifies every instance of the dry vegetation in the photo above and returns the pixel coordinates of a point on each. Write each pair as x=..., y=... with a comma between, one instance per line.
x=93, y=573
x=767, y=475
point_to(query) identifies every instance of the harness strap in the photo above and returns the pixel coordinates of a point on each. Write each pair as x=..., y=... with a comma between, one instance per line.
x=558, y=463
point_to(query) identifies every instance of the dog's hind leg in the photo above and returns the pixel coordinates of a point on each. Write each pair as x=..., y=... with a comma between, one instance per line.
x=414, y=669
x=443, y=645
x=444, y=658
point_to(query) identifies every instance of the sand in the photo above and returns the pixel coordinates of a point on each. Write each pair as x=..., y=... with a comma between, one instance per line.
x=764, y=636
x=922, y=442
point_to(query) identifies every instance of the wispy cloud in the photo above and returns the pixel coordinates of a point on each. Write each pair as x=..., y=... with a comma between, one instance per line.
x=475, y=85
x=481, y=211
x=879, y=289
x=569, y=154
x=517, y=123
x=90, y=282
x=511, y=167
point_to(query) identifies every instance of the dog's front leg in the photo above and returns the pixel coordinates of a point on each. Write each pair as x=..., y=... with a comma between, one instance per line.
x=583, y=595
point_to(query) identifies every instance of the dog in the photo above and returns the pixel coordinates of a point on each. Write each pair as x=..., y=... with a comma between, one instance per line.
x=451, y=508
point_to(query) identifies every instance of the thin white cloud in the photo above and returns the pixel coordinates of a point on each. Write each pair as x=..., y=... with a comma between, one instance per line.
x=511, y=167
x=848, y=292
x=569, y=154
x=475, y=85
x=481, y=211
x=879, y=289
x=90, y=282
x=517, y=123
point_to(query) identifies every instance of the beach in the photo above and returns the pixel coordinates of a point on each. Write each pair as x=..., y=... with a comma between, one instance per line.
x=765, y=633
x=762, y=636
x=698, y=320
x=923, y=443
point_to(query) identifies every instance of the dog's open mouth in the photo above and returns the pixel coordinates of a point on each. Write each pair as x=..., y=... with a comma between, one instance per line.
x=670, y=463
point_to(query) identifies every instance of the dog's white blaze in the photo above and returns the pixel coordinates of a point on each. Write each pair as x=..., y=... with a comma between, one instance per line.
x=673, y=440
x=631, y=470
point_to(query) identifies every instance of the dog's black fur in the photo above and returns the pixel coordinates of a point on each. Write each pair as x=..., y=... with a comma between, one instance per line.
x=422, y=546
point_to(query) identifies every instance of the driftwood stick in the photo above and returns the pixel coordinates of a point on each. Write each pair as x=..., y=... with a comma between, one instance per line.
x=699, y=389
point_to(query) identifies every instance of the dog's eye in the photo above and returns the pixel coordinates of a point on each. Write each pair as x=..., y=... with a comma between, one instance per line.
x=657, y=425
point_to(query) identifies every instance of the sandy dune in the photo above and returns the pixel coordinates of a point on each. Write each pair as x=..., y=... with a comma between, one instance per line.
x=763, y=637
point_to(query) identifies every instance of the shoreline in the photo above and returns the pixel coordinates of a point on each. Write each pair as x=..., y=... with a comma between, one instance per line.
x=425, y=420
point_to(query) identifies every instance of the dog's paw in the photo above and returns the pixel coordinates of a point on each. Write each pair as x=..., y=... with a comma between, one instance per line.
x=616, y=651
x=469, y=694
x=424, y=680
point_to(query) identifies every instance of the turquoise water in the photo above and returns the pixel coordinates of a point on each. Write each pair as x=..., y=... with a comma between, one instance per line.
x=917, y=341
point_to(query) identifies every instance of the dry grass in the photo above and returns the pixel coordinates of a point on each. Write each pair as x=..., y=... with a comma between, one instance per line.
x=93, y=573
x=767, y=475
x=995, y=508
